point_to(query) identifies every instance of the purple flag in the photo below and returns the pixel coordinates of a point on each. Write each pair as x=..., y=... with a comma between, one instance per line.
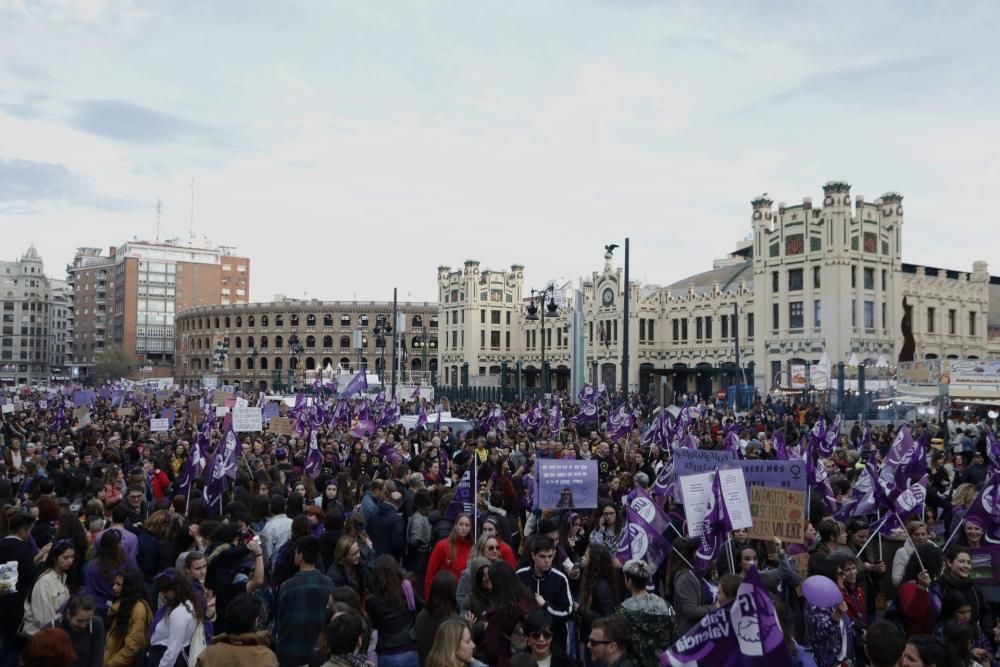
x=60, y=419
x=390, y=415
x=197, y=458
x=866, y=436
x=357, y=383
x=587, y=395
x=832, y=436
x=232, y=448
x=422, y=417
x=116, y=399
x=588, y=413
x=866, y=496
x=731, y=441
x=314, y=458
x=318, y=383
x=778, y=442
x=744, y=632
x=713, y=529
x=905, y=505
x=642, y=542
x=816, y=476
x=215, y=480
x=664, y=484
x=463, y=498
x=168, y=413
x=555, y=420
x=899, y=462
x=985, y=509
x=817, y=439
x=648, y=509
x=533, y=418
x=620, y=422
x=270, y=411
x=365, y=411
x=416, y=393
x=362, y=428
x=341, y=413
x=992, y=451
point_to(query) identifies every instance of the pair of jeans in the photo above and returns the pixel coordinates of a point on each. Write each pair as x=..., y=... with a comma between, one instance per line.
x=408, y=659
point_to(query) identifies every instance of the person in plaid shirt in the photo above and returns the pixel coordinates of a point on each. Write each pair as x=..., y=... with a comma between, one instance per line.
x=299, y=621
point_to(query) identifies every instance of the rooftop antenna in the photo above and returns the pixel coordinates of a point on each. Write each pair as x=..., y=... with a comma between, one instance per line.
x=159, y=209
x=192, y=208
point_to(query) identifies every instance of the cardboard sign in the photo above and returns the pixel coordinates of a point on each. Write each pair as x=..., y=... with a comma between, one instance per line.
x=985, y=564
x=221, y=411
x=194, y=409
x=159, y=425
x=6, y=408
x=697, y=490
x=220, y=397
x=85, y=419
x=281, y=426
x=247, y=420
x=125, y=412
x=81, y=411
x=777, y=513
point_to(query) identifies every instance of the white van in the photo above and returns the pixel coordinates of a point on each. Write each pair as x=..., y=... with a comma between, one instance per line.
x=456, y=425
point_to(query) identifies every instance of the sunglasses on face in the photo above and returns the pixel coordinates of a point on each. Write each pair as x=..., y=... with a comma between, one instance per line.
x=541, y=634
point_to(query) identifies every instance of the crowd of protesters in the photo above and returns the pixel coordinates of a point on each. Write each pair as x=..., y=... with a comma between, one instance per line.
x=108, y=560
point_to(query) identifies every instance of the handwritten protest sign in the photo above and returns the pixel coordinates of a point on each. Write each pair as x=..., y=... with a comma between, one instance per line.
x=694, y=461
x=79, y=412
x=281, y=426
x=565, y=483
x=221, y=411
x=247, y=419
x=125, y=412
x=194, y=408
x=220, y=397
x=777, y=513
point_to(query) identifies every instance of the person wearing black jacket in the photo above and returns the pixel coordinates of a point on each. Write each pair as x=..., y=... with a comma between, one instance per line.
x=387, y=528
x=550, y=586
x=541, y=644
x=15, y=547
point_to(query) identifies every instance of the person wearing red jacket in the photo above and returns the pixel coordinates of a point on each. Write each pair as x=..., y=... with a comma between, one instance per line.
x=916, y=604
x=451, y=553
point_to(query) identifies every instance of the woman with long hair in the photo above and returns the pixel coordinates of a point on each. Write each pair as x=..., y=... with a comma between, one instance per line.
x=651, y=618
x=175, y=640
x=346, y=569
x=128, y=621
x=453, y=646
x=85, y=629
x=600, y=592
x=451, y=553
x=70, y=528
x=487, y=548
x=512, y=601
x=439, y=608
x=609, y=526
x=99, y=574
x=331, y=497
x=49, y=591
x=393, y=606
x=958, y=567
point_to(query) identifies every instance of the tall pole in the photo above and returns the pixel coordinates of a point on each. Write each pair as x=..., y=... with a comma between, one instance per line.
x=423, y=350
x=394, y=327
x=545, y=372
x=736, y=337
x=625, y=329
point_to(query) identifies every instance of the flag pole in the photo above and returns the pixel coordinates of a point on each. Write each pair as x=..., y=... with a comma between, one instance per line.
x=910, y=540
x=953, y=534
x=878, y=514
x=875, y=534
x=729, y=550
x=475, y=497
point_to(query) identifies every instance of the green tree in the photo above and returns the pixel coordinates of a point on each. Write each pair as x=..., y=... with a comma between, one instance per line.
x=114, y=363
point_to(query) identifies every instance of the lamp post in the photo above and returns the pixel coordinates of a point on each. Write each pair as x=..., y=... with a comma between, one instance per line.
x=381, y=330
x=219, y=355
x=625, y=318
x=295, y=347
x=253, y=362
x=532, y=316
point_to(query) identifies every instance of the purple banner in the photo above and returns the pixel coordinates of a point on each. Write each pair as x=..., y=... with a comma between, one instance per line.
x=694, y=461
x=270, y=411
x=566, y=483
x=788, y=475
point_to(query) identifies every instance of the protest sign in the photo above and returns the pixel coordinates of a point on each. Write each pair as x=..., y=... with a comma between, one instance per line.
x=566, y=483
x=221, y=411
x=230, y=403
x=7, y=408
x=85, y=418
x=44, y=405
x=194, y=408
x=247, y=419
x=79, y=412
x=220, y=397
x=985, y=564
x=697, y=489
x=159, y=425
x=777, y=513
x=125, y=412
x=81, y=397
x=241, y=402
x=270, y=411
x=694, y=461
x=228, y=388
x=281, y=426
x=209, y=382
x=787, y=475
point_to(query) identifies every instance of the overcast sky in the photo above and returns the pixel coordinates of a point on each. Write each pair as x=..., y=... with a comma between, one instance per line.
x=349, y=147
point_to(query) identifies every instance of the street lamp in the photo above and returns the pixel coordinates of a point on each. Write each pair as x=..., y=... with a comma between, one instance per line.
x=295, y=347
x=381, y=330
x=219, y=355
x=609, y=249
x=253, y=362
x=532, y=316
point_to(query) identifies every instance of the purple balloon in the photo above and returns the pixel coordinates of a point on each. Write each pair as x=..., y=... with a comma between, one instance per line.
x=822, y=592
